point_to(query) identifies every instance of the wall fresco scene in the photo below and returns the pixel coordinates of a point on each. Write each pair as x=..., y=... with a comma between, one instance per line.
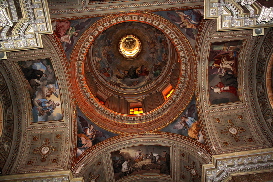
x=141, y=160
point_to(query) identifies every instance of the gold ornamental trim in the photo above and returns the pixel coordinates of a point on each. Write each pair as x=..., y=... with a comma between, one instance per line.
x=225, y=166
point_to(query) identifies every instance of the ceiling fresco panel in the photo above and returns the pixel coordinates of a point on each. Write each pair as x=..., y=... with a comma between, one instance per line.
x=43, y=89
x=223, y=72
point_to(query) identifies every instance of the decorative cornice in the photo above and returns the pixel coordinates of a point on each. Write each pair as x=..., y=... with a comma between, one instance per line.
x=84, y=9
x=239, y=14
x=226, y=165
x=23, y=25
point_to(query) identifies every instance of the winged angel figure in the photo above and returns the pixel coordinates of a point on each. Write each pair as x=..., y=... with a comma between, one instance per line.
x=187, y=20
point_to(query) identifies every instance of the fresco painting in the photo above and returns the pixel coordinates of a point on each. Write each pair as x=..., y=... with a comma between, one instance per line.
x=223, y=72
x=187, y=123
x=131, y=73
x=187, y=20
x=44, y=90
x=89, y=134
x=69, y=31
x=141, y=160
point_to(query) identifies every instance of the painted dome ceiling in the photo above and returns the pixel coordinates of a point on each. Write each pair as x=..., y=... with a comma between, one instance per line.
x=139, y=88
x=131, y=78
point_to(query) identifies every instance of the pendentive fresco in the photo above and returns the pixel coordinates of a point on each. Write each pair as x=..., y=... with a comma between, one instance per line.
x=69, y=31
x=187, y=20
x=88, y=134
x=187, y=123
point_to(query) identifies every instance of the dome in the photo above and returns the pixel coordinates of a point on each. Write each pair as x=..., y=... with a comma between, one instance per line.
x=139, y=88
x=122, y=82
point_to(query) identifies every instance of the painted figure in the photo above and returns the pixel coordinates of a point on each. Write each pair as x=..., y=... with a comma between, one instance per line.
x=220, y=87
x=165, y=163
x=222, y=72
x=187, y=20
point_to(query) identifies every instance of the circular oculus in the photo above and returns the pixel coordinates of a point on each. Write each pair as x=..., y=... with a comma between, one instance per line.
x=129, y=46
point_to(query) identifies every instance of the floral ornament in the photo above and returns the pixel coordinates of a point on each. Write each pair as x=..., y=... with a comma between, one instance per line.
x=233, y=130
x=44, y=150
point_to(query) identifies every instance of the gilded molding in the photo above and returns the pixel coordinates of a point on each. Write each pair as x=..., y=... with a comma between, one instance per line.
x=16, y=114
x=257, y=87
x=269, y=80
x=247, y=162
x=238, y=15
x=22, y=26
